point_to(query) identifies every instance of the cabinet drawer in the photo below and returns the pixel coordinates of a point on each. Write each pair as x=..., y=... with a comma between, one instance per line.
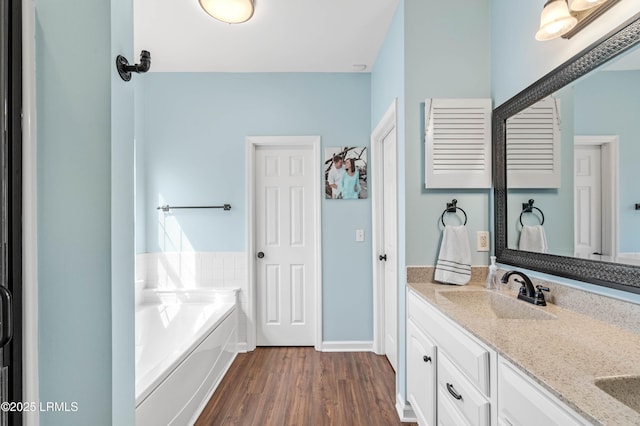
x=470, y=357
x=456, y=393
x=521, y=402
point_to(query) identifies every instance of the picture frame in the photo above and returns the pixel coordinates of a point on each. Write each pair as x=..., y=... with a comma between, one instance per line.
x=346, y=173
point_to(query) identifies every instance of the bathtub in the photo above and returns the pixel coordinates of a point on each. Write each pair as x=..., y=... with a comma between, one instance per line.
x=185, y=343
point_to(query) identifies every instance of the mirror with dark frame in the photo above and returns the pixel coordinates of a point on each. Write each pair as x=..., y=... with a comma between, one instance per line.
x=546, y=139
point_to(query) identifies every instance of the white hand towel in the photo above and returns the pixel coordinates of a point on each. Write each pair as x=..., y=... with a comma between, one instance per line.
x=454, y=260
x=533, y=238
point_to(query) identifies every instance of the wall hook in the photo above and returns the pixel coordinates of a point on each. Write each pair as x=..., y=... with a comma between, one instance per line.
x=528, y=207
x=125, y=70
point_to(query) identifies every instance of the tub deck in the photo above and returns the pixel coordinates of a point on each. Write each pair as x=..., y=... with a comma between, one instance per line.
x=182, y=348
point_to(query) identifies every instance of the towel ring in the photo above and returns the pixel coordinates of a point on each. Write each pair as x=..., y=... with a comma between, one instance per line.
x=451, y=210
x=529, y=211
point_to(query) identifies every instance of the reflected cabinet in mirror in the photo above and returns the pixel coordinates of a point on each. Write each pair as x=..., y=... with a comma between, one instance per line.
x=566, y=175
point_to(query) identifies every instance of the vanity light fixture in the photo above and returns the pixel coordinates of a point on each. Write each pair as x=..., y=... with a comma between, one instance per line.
x=229, y=11
x=577, y=5
x=565, y=18
x=555, y=20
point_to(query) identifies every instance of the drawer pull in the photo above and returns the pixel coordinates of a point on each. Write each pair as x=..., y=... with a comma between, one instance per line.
x=426, y=358
x=453, y=392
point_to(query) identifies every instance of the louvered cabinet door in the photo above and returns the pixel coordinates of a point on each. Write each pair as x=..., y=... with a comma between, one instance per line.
x=458, y=143
x=533, y=146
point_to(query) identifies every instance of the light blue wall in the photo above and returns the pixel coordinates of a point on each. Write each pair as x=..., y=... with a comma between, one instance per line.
x=122, y=218
x=442, y=60
x=140, y=173
x=74, y=209
x=607, y=103
x=556, y=203
x=194, y=130
x=85, y=212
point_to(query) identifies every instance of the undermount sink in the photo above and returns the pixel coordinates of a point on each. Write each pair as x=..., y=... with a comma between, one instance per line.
x=625, y=389
x=487, y=304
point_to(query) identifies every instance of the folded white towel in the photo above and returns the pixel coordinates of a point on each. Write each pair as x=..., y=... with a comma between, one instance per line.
x=533, y=238
x=454, y=260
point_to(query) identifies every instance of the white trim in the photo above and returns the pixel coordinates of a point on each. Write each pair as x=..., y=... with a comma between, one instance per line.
x=387, y=124
x=251, y=143
x=243, y=347
x=610, y=194
x=405, y=410
x=347, y=346
x=29, y=215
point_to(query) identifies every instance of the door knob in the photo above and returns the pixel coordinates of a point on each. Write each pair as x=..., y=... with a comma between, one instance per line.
x=260, y=255
x=382, y=257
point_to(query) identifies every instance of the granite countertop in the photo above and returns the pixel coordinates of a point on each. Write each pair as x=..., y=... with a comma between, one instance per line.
x=565, y=355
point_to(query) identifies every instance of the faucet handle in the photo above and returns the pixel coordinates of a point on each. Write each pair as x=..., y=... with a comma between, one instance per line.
x=540, y=295
x=523, y=288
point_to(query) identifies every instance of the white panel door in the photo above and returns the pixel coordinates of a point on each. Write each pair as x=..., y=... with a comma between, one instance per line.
x=587, y=201
x=390, y=205
x=285, y=275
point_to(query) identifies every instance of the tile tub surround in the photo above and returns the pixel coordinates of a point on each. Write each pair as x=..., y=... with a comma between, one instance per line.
x=566, y=357
x=194, y=270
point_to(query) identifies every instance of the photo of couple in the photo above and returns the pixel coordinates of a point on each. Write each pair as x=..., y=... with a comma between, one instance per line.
x=345, y=173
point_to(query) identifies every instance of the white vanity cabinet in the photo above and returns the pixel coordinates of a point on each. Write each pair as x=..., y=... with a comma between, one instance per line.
x=522, y=402
x=449, y=373
x=421, y=375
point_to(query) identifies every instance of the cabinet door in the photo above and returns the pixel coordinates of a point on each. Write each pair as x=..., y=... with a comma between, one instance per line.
x=524, y=403
x=421, y=377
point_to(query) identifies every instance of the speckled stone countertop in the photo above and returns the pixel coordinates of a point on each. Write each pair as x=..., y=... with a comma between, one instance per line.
x=565, y=355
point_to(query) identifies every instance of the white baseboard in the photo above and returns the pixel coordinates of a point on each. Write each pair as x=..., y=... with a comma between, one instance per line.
x=243, y=347
x=405, y=411
x=347, y=346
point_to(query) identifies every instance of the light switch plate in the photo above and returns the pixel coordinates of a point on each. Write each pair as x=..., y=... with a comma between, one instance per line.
x=482, y=241
x=360, y=235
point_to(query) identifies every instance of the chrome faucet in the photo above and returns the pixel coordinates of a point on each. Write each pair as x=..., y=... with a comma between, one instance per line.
x=527, y=292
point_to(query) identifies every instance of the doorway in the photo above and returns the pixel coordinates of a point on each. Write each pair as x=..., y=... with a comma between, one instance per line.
x=284, y=241
x=384, y=196
x=596, y=197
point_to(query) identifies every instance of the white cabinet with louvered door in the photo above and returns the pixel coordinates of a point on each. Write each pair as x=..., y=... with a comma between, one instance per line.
x=421, y=375
x=458, y=143
x=533, y=146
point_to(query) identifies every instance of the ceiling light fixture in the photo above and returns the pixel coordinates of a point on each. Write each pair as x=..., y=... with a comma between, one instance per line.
x=555, y=20
x=229, y=11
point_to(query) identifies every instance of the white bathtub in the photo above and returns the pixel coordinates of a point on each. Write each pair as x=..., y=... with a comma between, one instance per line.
x=185, y=343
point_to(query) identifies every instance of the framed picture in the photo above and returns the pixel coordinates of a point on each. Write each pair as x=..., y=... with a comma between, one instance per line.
x=345, y=173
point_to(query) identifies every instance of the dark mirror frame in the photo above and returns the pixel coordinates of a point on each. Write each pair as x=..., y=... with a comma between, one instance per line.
x=614, y=275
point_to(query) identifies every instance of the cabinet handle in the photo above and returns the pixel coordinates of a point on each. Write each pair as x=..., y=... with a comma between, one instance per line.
x=453, y=392
x=426, y=358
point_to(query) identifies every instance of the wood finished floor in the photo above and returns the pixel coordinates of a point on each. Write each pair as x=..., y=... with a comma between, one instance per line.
x=300, y=386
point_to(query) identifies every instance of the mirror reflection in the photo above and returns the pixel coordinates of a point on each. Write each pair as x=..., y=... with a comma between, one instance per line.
x=572, y=182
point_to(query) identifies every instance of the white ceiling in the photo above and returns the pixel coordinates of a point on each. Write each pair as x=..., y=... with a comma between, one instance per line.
x=282, y=36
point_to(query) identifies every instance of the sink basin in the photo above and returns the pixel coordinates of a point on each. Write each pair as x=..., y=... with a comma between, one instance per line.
x=487, y=304
x=625, y=389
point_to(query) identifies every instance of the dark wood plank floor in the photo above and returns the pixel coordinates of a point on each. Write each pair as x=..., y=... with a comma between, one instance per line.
x=300, y=386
